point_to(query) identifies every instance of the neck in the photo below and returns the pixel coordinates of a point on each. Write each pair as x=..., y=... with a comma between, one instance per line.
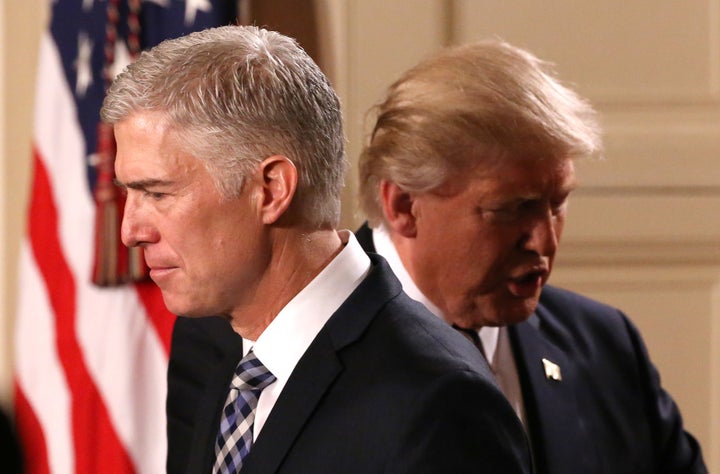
x=296, y=258
x=407, y=273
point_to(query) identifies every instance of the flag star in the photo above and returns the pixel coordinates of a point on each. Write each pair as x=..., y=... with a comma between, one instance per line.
x=82, y=65
x=87, y=5
x=192, y=7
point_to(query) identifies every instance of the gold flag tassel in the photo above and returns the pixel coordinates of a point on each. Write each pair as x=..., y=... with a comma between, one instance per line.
x=114, y=264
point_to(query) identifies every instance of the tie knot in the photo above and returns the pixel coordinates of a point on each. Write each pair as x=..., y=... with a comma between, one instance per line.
x=251, y=374
x=473, y=336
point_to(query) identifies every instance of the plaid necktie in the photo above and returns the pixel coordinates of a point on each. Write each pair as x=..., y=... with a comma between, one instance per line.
x=236, y=425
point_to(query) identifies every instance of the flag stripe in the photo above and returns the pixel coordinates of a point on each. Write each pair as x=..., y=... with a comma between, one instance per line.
x=128, y=363
x=93, y=434
x=32, y=435
x=39, y=373
x=90, y=362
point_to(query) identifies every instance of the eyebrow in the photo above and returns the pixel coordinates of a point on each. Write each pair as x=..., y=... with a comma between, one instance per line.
x=141, y=184
x=571, y=186
x=567, y=189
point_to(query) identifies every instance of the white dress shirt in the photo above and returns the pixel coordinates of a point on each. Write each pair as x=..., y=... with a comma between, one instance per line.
x=285, y=340
x=495, y=340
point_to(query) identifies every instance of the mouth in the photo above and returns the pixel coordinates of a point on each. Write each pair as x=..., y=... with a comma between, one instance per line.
x=528, y=284
x=157, y=264
x=158, y=273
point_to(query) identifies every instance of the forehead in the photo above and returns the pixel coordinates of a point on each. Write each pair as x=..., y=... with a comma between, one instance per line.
x=145, y=140
x=515, y=175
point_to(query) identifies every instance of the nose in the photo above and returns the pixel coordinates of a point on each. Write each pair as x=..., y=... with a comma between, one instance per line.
x=136, y=229
x=542, y=233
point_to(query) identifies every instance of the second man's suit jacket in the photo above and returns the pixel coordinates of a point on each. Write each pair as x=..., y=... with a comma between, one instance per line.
x=608, y=413
x=385, y=387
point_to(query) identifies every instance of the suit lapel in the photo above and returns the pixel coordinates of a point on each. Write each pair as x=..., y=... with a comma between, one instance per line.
x=309, y=381
x=318, y=368
x=548, y=378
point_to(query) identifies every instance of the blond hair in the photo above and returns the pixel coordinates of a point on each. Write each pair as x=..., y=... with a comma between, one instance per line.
x=470, y=103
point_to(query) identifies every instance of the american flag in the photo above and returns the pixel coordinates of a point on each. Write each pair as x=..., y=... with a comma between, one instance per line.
x=90, y=362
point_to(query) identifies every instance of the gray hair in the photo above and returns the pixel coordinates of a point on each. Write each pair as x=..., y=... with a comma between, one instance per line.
x=237, y=95
x=466, y=105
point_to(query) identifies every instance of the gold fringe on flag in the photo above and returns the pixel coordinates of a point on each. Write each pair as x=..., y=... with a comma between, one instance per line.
x=114, y=264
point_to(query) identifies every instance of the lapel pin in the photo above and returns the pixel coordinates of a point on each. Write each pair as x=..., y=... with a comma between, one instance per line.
x=552, y=370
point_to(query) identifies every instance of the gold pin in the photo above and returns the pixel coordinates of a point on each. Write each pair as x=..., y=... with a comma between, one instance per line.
x=552, y=370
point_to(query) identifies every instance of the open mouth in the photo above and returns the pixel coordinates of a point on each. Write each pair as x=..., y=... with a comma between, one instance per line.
x=528, y=284
x=529, y=278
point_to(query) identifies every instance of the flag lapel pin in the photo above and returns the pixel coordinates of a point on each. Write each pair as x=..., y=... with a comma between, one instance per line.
x=552, y=370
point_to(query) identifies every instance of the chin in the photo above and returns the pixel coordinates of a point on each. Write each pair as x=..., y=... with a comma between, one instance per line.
x=507, y=315
x=515, y=320
x=520, y=315
x=177, y=307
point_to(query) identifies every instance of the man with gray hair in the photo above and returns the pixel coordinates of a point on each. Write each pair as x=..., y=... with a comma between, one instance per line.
x=465, y=182
x=231, y=150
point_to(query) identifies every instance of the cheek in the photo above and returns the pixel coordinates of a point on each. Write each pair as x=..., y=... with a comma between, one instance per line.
x=485, y=260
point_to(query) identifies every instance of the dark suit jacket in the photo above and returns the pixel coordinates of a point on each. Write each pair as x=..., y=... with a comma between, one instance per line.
x=384, y=387
x=609, y=413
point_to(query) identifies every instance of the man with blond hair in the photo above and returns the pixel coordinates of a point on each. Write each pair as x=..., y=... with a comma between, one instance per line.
x=465, y=182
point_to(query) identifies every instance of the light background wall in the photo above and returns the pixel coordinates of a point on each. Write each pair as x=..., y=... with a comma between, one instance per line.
x=21, y=23
x=643, y=232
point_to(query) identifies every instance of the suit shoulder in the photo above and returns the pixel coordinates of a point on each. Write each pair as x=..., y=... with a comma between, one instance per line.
x=408, y=330
x=607, y=355
x=378, y=317
x=576, y=322
x=569, y=309
x=559, y=300
x=197, y=346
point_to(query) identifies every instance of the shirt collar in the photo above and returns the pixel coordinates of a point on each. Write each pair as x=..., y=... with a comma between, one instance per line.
x=385, y=247
x=285, y=340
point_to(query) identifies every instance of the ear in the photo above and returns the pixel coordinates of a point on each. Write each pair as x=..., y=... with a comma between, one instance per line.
x=279, y=183
x=397, y=206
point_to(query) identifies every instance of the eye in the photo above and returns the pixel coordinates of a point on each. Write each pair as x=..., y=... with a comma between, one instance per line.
x=559, y=206
x=505, y=212
x=154, y=195
x=559, y=209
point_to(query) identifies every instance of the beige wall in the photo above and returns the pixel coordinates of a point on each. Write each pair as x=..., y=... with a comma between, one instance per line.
x=21, y=23
x=643, y=232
